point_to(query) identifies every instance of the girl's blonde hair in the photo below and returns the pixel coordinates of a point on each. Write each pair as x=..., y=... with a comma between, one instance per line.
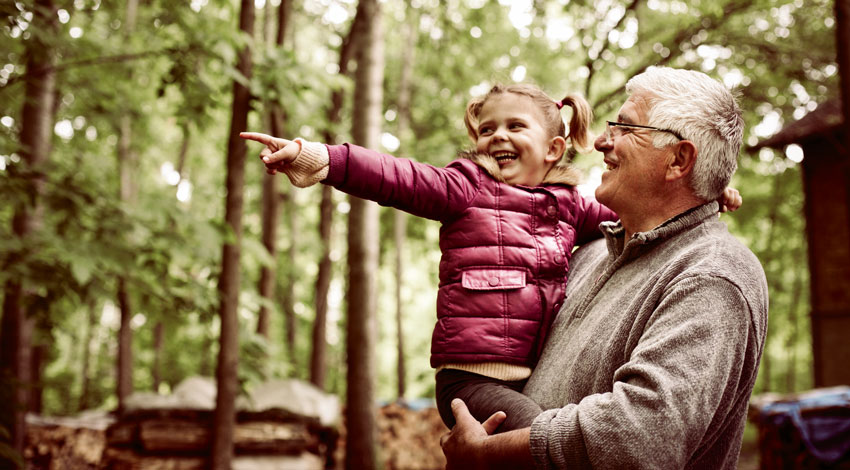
x=549, y=109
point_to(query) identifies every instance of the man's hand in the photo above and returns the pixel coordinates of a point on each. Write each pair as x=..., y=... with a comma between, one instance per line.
x=464, y=446
x=731, y=200
x=278, y=152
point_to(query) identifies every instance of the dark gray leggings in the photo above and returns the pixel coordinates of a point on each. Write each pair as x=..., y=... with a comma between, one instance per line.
x=485, y=396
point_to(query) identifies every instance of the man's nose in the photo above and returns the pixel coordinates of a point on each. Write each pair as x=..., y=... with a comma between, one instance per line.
x=601, y=143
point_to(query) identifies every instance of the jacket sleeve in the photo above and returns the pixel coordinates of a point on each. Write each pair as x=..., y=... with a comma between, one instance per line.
x=418, y=188
x=673, y=393
x=589, y=214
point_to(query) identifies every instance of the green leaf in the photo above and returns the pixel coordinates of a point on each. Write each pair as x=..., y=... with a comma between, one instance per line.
x=82, y=269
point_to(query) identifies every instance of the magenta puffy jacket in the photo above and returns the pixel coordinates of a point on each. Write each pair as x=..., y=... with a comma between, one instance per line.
x=505, y=249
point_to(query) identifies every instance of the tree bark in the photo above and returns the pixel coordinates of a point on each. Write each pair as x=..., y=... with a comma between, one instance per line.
x=124, y=369
x=360, y=448
x=126, y=192
x=270, y=204
x=399, y=230
x=86, y=362
x=318, y=361
x=271, y=198
x=35, y=136
x=290, y=208
x=400, y=217
x=157, y=355
x=37, y=356
x=228, y=285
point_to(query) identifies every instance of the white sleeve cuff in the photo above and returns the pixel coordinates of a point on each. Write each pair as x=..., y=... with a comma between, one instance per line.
x=310, y=166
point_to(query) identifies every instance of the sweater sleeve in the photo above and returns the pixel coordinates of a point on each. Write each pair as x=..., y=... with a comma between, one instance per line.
x=310, y=165
x=418, y=188
x=672, y=395
x=589, y=214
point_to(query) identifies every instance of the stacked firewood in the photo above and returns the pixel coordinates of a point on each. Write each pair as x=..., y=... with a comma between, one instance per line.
x=182, y=439
x=410, y=439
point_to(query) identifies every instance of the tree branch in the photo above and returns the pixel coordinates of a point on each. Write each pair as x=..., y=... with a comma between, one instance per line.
x=87, y=62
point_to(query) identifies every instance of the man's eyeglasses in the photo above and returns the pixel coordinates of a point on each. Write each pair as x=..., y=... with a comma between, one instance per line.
x=615, y=129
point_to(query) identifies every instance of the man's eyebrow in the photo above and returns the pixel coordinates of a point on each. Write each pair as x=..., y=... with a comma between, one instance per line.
x=624, y=119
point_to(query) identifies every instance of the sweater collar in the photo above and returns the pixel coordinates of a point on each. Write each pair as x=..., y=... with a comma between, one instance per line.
x=615, y=233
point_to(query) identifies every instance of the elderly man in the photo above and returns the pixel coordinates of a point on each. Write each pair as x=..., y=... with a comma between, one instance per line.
x=652, y=359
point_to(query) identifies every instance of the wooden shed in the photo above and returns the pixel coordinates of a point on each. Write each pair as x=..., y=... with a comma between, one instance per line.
x=826, y=182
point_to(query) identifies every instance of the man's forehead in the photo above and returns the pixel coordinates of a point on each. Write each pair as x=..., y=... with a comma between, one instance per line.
x=634, y=109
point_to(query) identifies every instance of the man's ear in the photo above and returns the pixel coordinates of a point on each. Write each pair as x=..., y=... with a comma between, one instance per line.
x=682, y=163
x=557, y=147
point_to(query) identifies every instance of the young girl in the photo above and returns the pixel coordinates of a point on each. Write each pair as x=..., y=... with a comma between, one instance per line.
x=510, y=216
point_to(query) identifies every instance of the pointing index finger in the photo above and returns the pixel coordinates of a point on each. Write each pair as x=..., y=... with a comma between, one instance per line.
x=264, y=139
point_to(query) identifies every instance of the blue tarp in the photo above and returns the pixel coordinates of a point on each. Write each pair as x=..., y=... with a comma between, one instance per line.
x=822, y=420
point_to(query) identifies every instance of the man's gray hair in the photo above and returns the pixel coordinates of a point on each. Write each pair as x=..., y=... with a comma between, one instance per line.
x=703, y=111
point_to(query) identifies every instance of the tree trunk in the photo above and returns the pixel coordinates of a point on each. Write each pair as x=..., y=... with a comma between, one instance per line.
x=184, y=150
x=36, y=119
x=124, y=368
x=228, y=285
x=86, y=362
x=157, y=355
x=399, y=230
x=270, y=204
x=36, y=402
x=126, y=169
x=318, y=365
x=290, y=208
x=318, y=361
x=400, y=218
x=360, y=449
x=271, y=198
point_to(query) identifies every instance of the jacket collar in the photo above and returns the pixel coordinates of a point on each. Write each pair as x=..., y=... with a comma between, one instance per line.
x=561, y=173
x=614, y=232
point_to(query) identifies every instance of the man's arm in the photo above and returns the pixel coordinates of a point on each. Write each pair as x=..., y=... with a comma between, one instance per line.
x=470, y=445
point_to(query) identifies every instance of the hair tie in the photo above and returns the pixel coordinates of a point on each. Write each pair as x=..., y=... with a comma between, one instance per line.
x=559, y=104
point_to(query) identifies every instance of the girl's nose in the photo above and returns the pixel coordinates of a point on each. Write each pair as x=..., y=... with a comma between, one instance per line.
x=500, y=134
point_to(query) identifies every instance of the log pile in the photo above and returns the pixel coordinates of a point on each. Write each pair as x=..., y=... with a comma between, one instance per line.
x=179, y=438
x=63, y=444
x=160, y=439
x=410, y=439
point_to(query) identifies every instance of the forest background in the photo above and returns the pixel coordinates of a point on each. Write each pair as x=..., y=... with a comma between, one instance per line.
x=127, y=197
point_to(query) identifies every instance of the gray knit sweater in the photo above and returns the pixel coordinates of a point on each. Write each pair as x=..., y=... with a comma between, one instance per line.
x=652, y=359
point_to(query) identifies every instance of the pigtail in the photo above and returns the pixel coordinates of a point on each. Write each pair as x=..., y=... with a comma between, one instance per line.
x=579, y=122
x=473, y=109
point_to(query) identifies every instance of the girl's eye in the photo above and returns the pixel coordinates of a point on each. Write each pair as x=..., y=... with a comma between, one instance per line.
x=484, y=131
x=517, y=125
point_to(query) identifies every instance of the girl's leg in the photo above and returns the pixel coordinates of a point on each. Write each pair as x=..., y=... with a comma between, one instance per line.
x=485, y=396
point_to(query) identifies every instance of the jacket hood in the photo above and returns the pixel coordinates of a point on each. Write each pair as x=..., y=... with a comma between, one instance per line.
x=561, y=173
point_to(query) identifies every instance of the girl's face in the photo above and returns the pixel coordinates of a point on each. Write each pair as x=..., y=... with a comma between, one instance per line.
x=511, y=130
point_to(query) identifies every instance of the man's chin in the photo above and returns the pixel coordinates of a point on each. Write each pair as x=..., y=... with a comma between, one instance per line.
x=602, y=195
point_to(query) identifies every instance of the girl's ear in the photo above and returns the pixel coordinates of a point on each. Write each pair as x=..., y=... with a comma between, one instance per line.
x=557, y=147
x=682, y=163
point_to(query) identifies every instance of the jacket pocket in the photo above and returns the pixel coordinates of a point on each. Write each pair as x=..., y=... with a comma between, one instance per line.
x=501, y=278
